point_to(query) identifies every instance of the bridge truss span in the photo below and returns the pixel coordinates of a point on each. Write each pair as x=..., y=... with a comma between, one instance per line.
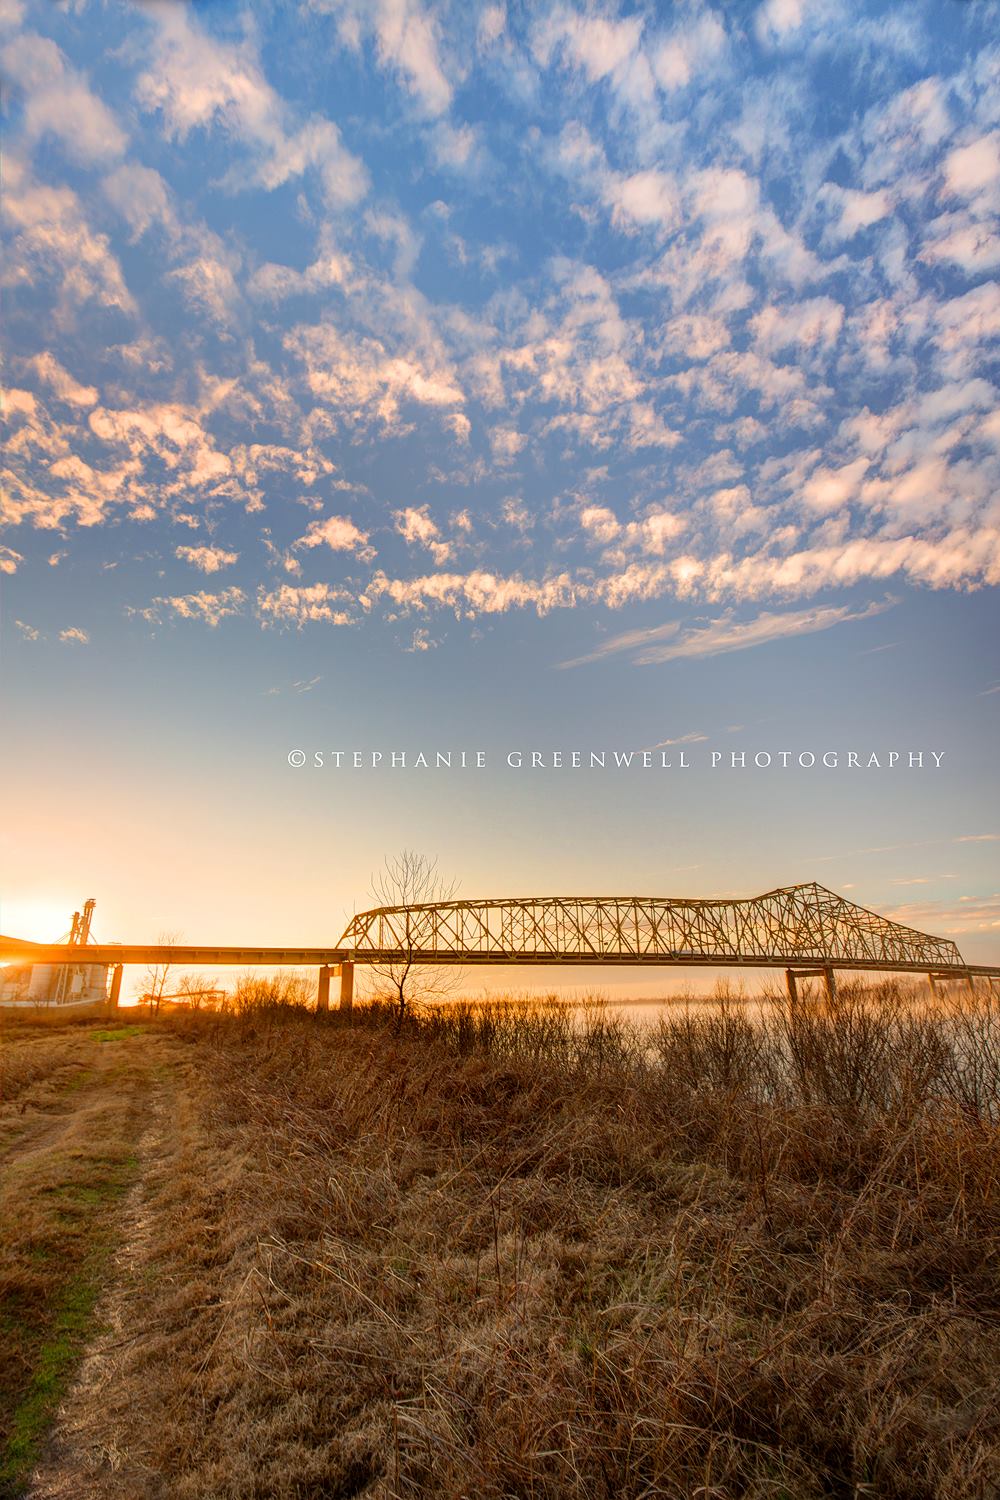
x=790, y=926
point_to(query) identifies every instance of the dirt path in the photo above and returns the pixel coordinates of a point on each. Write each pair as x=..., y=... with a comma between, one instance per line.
x=46, y=1090
x=86, y=1131
x=81, y=1455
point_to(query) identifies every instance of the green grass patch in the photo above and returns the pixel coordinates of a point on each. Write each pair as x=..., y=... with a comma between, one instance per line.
x=55, y=1362
x=117, y=1033
x=62, y=1268
x=77, y=1081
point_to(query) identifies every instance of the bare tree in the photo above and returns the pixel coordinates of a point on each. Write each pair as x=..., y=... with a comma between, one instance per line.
x=410, y=880
x=194, y=991
x=156, y=974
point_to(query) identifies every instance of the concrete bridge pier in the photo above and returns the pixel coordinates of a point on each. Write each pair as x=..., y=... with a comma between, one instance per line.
x=116, y=985
x=936, y=979
x=326, y=973
x=347, y=987
x=792, y=976
x=323, y=989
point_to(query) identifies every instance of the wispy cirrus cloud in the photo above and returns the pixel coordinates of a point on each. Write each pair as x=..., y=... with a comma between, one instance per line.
x=673, y=641
x=965, y=916
x=303, y=685
x=694, y=738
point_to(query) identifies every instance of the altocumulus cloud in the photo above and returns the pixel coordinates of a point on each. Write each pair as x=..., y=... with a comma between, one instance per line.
x=745, y=360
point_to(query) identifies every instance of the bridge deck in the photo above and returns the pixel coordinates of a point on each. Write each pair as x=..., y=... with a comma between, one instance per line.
x=16, y=950
x=793, y=927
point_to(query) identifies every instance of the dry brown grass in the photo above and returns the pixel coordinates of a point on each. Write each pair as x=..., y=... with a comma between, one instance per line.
x=499, y=1254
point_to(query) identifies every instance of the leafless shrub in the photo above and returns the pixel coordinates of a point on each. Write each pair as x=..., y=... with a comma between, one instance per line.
x=254, y=993
x=513, y=1248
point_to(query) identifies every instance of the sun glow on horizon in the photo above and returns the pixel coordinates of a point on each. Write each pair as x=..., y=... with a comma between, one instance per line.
x=37, y=921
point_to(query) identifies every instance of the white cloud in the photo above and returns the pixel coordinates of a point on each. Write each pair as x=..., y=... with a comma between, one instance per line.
x=340, y=534
x=962, y=240
x=695, y=336
x=644, y=198
x=73, y=635
x=360, y=379
x=856, y=210
x=195, y=81
x=960, y=558
x=506, y=443
x=304, y=685
x=174, y=434
x=57, y=101
x=475, y=593
x=53, y=238
x=707, y=414
x=141, y=197
x=408, y=40
x=273, y=282
x=814, y=324
x=969, y=169
x=492, y=25
x=407, y=43
x=416, y=526
x=777, y=20
x=655, y=531
x=207, y=559
x=694, y=738
x=9, y=559
x=963, y=324
x=689, y=50
x=600, y=522
x=210, y=609
x=969, y=915
x=210, y=283
x=597, y=45
x=672, y=641
x=62, y=383
x=828, y=489
x=291, y=604
x=517, y=515
x=307, y=465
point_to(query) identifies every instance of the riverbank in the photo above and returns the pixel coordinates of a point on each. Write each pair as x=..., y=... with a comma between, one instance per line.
x=498, y=1253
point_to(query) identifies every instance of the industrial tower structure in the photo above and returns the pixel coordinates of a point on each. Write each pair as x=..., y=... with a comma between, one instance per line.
x=75, y=982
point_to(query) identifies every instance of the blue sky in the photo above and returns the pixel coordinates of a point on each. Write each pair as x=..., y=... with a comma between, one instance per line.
x=400, y=374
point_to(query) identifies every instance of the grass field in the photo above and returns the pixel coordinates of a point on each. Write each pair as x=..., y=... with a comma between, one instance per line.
x=498, y=1253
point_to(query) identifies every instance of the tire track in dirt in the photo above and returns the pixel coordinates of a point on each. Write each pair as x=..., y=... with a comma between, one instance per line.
x=48, y=1108
x=86, y=1459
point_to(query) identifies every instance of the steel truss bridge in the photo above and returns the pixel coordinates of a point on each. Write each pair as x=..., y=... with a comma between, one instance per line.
x=806, y=930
